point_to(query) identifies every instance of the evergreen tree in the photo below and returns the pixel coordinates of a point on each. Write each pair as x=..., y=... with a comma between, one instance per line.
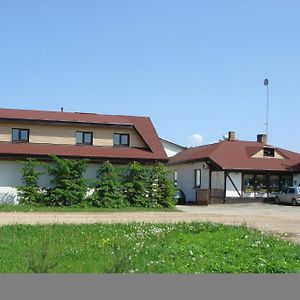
x=135, y=186
x=69, y=186
x=162, y=190
x=29, y=193
x=108, y=188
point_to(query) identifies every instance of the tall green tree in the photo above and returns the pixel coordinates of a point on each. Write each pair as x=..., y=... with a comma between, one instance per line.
x=69, y=186
x=162, y=189
x=108, y=188
x=30, y=193
x=135, y=186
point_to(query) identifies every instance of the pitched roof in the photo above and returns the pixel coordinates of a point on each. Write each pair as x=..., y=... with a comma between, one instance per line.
x=143, y=125
x=237, y=155
x=171, y=143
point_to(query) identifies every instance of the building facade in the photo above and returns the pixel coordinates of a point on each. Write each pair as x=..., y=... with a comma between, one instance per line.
x=36, y=134
x=234, y=171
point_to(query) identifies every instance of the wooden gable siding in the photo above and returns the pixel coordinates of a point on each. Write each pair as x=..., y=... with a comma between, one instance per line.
x=66, y=134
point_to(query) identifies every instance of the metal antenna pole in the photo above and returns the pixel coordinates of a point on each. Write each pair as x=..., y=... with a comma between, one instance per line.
x=267, y=123
x=266, y=83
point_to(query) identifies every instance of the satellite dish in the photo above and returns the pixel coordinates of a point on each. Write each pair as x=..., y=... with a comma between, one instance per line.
x=266, y=82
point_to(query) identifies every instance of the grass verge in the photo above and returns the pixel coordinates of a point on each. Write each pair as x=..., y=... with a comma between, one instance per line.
x=28, y=208
x=144, y=248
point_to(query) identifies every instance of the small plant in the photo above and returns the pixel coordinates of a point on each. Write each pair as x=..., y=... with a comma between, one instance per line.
x=30, y=193
x=120, y=261
x=69, y=187
x=40, y=261
x=108, y=188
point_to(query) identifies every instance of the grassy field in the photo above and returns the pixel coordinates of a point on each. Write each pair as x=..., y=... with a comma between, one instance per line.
x=144, y=248
x=26, y=208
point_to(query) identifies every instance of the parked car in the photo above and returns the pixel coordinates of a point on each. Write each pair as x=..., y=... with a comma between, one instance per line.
x=179, y=197
x=289, y=195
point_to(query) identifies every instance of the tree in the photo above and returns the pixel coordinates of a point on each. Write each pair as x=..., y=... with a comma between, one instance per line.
x=135, y=186
x=162, y=190
x=108, y=188
x=69, y=186
x=30, y=193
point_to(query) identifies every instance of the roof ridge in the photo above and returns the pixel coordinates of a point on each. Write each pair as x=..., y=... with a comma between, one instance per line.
x=70, y=112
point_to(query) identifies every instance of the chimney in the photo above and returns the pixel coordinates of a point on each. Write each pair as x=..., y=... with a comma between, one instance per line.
x=61, y=109
x=262, y=138
x=231, y=135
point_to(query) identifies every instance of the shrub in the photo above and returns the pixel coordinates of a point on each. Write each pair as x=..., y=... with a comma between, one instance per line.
x=30, y=193
x=69, y=187
x=161, y=189
x=108, y=188
x=135, y=186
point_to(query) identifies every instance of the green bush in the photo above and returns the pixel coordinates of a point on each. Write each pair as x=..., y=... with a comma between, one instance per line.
x=135, y=186
x=69, y=187
x=115, y=187
x=30, y=193
x=161, y=190
x=108, y=188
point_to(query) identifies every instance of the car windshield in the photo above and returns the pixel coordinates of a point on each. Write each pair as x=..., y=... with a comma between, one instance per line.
x=298, y=190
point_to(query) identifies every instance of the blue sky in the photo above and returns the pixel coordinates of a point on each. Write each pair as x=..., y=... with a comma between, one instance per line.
x=194, y=67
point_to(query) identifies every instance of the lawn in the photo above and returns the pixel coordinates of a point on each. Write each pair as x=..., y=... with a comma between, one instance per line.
x=144, y=248
x=28, y=208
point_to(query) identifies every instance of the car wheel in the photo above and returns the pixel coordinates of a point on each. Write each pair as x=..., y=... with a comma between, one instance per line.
x=277, y=200
x=294, y=202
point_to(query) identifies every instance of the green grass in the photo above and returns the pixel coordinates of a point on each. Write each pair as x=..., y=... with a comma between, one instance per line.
x=144, y=248
x=28, y=208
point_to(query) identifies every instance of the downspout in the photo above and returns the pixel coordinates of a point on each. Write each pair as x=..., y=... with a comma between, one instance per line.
x=225, y=177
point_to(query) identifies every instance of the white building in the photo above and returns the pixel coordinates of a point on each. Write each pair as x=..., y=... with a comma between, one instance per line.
x=234, y=171
x=36, y=134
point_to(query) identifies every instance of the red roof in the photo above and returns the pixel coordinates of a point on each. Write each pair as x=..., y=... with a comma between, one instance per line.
x=143, y=125
x=237, y=155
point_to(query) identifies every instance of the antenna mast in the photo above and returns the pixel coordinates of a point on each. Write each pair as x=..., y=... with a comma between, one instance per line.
x=266, y=83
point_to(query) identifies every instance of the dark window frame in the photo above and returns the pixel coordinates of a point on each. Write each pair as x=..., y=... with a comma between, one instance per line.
x=83, y=138
x=269, y=152
x=281, y=185
x=19, y=140
x=197, y=186
x=120, y=139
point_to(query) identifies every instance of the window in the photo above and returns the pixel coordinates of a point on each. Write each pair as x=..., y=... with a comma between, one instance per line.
x=261, y=183
x=85, y=138
x=248, y=183
x=286, y=180
x=175, y=177
x=291, y=191
x=269, y=152
x=274, y=183
x=121, y=139
x=197, y=173
x=20, y=135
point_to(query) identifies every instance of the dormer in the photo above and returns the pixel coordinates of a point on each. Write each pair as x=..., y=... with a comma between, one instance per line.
x=268, y=152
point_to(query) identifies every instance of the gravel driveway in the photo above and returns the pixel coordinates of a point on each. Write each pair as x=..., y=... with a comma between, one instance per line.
x=280, y=219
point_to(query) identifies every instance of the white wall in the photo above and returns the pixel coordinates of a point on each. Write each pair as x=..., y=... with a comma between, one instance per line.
x=170, y=148
x=237, y=179
x=296, y=179
x=10, y=177
x=186, y=180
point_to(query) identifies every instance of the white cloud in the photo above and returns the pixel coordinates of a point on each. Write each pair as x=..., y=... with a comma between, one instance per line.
x=195, y=139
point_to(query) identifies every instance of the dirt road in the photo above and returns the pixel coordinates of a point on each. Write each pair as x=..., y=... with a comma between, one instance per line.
x=282, y=220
